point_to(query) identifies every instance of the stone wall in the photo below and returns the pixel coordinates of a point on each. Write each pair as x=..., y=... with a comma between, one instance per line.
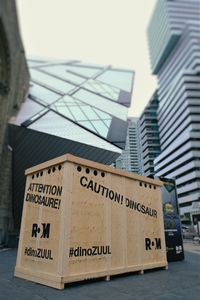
x=14, y=83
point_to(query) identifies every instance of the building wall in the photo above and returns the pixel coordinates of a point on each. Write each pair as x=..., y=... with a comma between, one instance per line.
x=179, y=105
x=133, y=144
x=14, y=81
x=166, y=26
x=149, y=137
x=129, y=160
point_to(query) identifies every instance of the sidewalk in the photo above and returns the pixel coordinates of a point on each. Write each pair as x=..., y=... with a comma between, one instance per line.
x=192, y=246
x=180, y=281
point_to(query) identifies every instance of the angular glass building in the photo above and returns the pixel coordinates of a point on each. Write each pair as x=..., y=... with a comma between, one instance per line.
x=71, y=108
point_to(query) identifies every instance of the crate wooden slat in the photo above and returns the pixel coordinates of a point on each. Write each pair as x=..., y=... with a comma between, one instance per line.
x=84, y=220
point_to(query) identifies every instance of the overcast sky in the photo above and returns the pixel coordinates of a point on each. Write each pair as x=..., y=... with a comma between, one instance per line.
x=93, y=31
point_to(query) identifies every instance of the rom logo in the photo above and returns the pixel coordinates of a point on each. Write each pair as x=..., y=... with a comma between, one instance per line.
x=151, y=244
x=42, y=231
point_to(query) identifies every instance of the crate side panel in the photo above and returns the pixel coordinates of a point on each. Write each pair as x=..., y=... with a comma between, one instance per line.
x=89, y=223
x=39, y=238
x=116, y=215
x=134, y=223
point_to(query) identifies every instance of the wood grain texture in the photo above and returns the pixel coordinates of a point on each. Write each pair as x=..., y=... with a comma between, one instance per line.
x=108, y=222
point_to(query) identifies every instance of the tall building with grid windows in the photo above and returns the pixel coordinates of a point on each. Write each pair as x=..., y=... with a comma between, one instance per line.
x=148, y=137
x=71, y=108
x=174, y=50
x=129, y=159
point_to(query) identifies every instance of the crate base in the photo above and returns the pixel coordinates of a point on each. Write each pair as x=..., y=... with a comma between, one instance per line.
x=44, y=279
x=59, y=282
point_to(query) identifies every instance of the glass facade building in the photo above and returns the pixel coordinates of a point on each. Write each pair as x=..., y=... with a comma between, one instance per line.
x=129, y=159
x=176, y=63
x=71, y=108
x=149, y=137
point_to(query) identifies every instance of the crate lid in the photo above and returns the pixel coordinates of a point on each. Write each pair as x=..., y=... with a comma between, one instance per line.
x=88, y=163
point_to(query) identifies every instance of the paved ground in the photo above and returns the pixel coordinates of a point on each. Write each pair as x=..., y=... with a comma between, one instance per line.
x=191, y=246
x=181, y=281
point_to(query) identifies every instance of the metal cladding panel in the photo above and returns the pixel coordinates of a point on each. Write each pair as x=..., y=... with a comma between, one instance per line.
x=32, y=147
x=125, y=98
x=117, y=131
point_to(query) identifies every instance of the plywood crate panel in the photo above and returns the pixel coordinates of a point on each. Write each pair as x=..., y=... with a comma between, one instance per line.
x=84, y=220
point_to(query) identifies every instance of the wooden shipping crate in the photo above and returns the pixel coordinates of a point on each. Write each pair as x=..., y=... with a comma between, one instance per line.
x=85, y=220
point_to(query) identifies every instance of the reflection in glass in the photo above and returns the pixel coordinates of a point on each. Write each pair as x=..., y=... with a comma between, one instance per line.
x=100, y=127
x=77, y=113
x=102, y=103
x=88, y=125
x=102, y=114
x=107, y=122
x=69, y=100
x=62, y=109
x=90, y=113
x=103, y=89
x=85, y=115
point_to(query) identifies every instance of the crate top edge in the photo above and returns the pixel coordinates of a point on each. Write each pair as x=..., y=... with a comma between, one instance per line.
x=92, y=164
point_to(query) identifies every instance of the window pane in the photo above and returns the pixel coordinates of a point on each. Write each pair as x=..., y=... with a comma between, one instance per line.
x=62, y=109
x=103, y=89
x=86, y=72
x=57, y=84
x=69, y=100
x=67, y=129
x=34, y=63
x=61, y=71
x=120, y=79
x=102, y=114
x=101, y=128
x=90, y=113
x=88, y=65
x=77, y=113
x=107, y=122
x=44, y=94
x=88, y=125
x=101, y=103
